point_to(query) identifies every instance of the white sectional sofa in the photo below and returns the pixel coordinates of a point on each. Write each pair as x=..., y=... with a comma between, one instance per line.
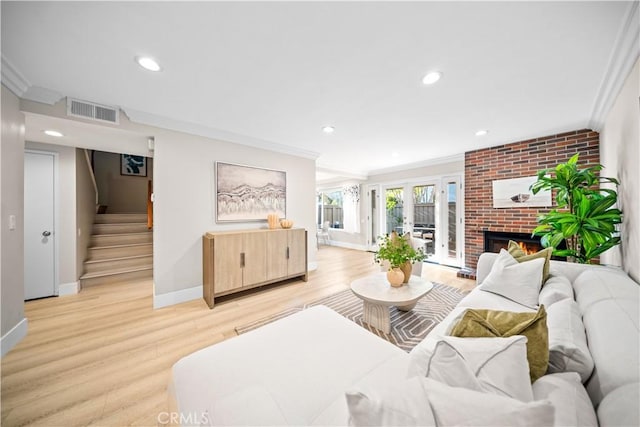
x=295, y=371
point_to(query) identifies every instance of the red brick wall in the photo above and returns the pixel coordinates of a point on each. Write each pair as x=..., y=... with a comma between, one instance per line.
x=515, y=160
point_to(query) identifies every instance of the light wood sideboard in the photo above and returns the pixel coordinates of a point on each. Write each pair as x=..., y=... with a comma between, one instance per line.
x=233, y=261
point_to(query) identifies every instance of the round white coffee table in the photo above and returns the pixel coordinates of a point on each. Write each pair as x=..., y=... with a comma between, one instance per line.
x=378, y=295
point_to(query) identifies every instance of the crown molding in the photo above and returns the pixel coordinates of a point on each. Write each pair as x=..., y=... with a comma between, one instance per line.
x=207, y=132
x=13, y=79
x=42, y=95
x=416, y=165
x=345, y=174
x=624, y=55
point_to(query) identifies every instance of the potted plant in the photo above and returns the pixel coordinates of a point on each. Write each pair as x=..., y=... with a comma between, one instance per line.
x=399, y=253
x=585, y=217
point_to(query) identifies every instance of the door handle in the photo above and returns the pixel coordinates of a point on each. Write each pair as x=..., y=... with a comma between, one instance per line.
x=46, y=233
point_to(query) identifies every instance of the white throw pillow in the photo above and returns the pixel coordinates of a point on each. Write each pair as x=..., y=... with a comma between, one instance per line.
x=517, y=281
x=493, y=365
x=421, y=401
x=557, y=288
x=567, y=394
x=568, y=350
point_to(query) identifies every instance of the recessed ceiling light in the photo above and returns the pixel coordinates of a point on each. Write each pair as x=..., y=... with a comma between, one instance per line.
x=431, y=78
x=53, y=133
x=395, y=154
x=328, y=129
x=148, y=63
x=482, y=132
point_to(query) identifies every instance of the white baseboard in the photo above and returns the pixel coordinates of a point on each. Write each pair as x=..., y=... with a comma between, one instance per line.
x=68, y=288
x=177, y=297
x=348, y=245
x=14, y=336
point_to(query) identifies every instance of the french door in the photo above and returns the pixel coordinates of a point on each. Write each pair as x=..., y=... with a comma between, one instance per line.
x=429, y=210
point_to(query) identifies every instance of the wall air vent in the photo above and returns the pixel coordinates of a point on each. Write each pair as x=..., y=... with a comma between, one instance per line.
x=92, y=111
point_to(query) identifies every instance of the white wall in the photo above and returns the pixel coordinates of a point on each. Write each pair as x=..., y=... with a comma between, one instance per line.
x=66, y=213
x=13, y=324
x=620, y=155
x=184, y=202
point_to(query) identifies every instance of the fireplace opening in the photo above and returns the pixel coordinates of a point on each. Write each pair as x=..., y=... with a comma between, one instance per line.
x=496, y=240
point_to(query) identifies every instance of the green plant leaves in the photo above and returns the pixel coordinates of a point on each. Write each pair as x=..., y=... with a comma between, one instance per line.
x=585, y=217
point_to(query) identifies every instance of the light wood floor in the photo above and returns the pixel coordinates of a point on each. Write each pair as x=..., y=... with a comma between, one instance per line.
x=103, y=356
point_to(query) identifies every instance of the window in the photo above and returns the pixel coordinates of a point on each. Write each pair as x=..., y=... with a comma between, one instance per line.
x=330, y=208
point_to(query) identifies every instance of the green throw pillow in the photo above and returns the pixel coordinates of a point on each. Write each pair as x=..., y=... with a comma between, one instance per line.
x=493, y=323
x=516, y=251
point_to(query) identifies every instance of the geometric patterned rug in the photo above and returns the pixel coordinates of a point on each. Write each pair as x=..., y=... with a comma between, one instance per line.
x=407, y=328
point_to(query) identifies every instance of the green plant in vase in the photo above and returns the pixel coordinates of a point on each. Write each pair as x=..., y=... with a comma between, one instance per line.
x=585, y=218
x=399, y=253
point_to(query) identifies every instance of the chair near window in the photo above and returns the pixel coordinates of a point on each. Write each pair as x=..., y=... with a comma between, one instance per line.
x=323, y=233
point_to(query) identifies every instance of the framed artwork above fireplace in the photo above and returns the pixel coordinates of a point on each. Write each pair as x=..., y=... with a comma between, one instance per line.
x=515, y=193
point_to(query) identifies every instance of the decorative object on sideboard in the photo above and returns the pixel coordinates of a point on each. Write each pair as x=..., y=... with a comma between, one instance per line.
x=397, y=250
x=273, y=221
x=247, y=193
x=585, y=217
x=515, y=193
x=286, y=223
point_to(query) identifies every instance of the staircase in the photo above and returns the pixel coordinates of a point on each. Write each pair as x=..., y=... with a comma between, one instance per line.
x=121, y=249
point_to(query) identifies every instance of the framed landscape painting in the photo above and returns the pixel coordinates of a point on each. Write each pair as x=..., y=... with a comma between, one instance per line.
x=247, y=193
x=515, y=193
x=133, y=165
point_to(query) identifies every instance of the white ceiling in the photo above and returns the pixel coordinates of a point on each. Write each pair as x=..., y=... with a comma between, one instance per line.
x=273, y=74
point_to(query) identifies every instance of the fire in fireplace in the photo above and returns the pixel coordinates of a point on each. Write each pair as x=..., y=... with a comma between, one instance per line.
x=496, y=240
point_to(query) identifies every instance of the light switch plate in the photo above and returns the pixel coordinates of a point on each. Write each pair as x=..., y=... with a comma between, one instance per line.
x=12, y=222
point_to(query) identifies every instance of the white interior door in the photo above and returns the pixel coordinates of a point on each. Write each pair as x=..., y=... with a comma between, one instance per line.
x=39, y=220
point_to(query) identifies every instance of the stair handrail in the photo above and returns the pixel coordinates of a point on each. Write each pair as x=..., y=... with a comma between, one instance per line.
x=93, y=176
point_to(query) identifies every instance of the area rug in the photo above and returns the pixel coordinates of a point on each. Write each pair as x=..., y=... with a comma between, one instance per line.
x=407, y=328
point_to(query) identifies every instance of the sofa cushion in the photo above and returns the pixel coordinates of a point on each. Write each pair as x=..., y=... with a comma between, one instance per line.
x=519, y=282
x=613, y=335
x=568, y=351
x=420, y=401
x=620, y=407
x=555, y=289
x=489, y=323
x=300, y=361
x=598, y=284
x=232, y=410
x=567, y=394
x=521, y=256
x=493, y=365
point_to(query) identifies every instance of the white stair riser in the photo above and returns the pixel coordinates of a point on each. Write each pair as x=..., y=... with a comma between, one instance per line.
x=121, y=239
x=119, y=252
x=117, y=218
x=133, y=275
x=117, y=264
x=119, y=228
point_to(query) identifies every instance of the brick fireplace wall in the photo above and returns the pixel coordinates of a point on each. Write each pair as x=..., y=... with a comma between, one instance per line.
x=519, y=159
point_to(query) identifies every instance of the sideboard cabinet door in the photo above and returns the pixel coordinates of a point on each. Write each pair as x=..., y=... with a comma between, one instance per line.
x=227, y=259
x=255, y=258
x=297, y=252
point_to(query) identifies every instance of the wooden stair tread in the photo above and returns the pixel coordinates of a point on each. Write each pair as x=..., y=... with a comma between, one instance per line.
x=122, y=246
x=117, y=224
x=116, y=271
x=142, y=233
x=105, y=260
